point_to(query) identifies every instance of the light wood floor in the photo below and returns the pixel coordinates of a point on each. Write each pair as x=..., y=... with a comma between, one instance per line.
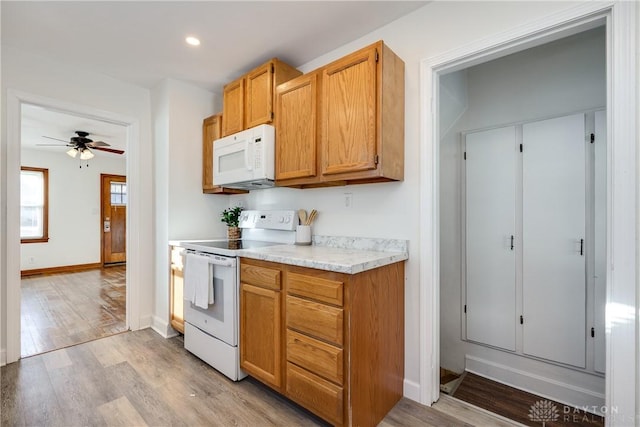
x=139, y=378
x=59, y=310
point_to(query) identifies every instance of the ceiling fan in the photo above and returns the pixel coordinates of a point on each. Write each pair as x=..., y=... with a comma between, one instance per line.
x=80, y=145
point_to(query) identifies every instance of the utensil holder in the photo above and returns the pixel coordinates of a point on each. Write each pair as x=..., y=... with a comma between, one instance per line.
x=303, y=235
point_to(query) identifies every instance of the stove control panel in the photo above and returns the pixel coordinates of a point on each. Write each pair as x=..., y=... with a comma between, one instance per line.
x=269, y=220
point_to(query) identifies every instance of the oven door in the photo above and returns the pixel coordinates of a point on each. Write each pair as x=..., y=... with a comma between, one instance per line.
x=220, y=318
x=233, y=158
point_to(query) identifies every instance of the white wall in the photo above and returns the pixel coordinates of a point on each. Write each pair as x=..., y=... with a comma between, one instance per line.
x=74, y=209
x=49, y=79
x=563, y=77
x=182, y=211
x=391, y=210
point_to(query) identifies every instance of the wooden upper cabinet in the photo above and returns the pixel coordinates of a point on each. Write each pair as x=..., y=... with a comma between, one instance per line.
x=349, y=107
x=259, y=91
x=359, y=119
x=296, y=128
x=248, y=101
x=212, y=130
x=233, y=110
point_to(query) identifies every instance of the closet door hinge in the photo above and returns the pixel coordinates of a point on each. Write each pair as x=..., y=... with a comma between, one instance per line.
x=377, y=56
x=521, y=320
x=592, y=138
x=465, y=308
x=272, y=116
x=465, y=155
x=593, y=332
x=521, y=148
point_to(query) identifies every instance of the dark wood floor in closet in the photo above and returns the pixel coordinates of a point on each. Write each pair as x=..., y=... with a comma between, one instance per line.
x=59, y=310
x=516, y=404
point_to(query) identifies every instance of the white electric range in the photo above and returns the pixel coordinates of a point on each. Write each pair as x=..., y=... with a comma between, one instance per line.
x=211, y=329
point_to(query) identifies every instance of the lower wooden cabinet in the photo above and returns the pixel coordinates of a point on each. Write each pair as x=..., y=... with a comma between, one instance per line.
x=176, y=302
x=331, y=342
x=260, y=325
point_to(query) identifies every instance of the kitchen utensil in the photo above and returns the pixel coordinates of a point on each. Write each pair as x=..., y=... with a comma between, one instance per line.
x=302, y=214
x=312, y=217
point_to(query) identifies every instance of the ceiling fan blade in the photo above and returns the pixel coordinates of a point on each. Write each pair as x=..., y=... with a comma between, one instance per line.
x=54, y=145
x=57, y=139
x=98, y=144
x=110, y=150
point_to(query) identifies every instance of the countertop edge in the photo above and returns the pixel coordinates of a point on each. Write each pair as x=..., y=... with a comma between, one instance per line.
x=385, y=258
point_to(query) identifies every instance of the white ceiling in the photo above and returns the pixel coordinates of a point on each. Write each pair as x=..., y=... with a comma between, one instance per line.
x=142, y=42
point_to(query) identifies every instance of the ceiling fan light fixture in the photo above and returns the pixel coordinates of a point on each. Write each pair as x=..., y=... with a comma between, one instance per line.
x=73, y=152
x=86, y=154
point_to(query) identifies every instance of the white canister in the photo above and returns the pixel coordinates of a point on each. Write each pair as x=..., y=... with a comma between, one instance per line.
x=303, y=235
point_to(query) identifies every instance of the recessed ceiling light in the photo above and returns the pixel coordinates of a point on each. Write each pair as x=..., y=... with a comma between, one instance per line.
x=193, y=41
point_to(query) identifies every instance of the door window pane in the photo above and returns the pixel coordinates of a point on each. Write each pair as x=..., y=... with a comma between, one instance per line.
x=118, y=193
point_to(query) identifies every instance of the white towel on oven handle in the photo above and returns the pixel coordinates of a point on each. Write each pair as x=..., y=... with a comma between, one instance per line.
x=198, y=280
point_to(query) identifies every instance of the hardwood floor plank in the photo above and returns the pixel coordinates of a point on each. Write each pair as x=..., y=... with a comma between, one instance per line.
x=120, y=412
x=56, y=360
x=469, y=414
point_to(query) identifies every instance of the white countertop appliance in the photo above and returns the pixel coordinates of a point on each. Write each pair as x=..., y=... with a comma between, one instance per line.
x=245, y=160
x=211, y=329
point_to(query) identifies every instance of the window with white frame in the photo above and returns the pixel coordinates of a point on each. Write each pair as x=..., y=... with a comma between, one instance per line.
x=34, y=205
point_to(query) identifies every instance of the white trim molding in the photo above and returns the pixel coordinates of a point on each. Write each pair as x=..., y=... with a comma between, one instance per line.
x=621, y=18
x=15, y=99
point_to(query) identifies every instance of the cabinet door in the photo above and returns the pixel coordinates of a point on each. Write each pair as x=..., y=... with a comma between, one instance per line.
x=296, y=141
x=260, y=333
x=259, y=96
x=211, y=130
x=349, y=105
x=490, y=248
x=554, y=287
x=233, y=107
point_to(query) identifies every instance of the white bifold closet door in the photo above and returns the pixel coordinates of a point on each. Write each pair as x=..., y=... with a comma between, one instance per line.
x=554, y=287
x=490, y=219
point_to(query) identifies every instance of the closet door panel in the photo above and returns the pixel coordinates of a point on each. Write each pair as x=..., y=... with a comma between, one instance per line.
x=600, y=237
x=554, y=288
x=490, y=217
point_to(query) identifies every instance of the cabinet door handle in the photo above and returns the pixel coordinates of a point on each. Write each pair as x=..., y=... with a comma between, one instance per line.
x=512, y=242
x=581, y=247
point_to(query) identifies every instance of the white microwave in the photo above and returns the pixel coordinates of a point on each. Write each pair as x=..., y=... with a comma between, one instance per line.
x=245, y=160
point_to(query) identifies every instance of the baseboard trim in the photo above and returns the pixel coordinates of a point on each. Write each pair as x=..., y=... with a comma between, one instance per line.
x=411, y=390
x=549, y=388
x=61, y=269
x=162, y=327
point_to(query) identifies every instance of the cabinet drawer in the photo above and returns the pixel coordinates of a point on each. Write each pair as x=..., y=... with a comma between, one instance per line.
x=317, y=395
x=315, y=319
x=316, y=356
x=323, y=290
x=260, y=276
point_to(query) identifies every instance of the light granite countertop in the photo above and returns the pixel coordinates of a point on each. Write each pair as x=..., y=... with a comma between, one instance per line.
x=341, y=260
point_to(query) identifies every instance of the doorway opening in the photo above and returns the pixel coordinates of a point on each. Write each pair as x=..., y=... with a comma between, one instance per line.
x=621, y=109
x=67, y=295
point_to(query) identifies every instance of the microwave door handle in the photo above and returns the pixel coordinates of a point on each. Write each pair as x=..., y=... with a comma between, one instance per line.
x=247, y=163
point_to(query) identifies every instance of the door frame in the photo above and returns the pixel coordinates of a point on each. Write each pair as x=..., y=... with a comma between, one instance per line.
x=102, y=177
x=622, y=133
x=15, y=99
